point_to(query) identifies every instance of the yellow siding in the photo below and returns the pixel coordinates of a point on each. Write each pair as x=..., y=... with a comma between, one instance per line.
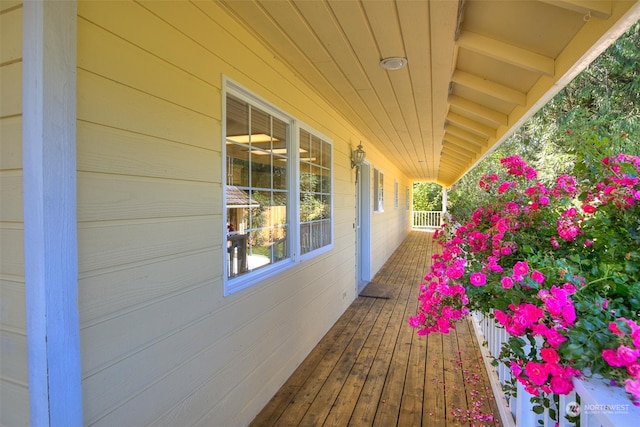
x=14, y=407
x=160, y=344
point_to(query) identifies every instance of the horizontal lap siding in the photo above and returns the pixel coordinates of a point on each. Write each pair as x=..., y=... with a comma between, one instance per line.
x=160, y=343
x=14, y=405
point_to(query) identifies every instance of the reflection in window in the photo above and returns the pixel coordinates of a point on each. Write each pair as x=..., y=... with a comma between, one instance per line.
x=256, y=187
x=315, y=192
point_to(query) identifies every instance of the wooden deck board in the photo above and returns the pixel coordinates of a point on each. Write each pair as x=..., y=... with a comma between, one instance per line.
x=371, y=369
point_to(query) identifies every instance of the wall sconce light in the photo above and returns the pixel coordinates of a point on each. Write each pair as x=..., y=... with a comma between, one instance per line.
x=357, y=157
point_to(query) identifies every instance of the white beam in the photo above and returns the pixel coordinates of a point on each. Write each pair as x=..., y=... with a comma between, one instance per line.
x=478, y=110
x=470, y=138
x=507, y=53
x=460, y=142
x=450, y=147
x=49, y=199
x=471, y=125
x=489, y=87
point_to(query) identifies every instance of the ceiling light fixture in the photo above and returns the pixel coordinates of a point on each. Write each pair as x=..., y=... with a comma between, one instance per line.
x=393, y=63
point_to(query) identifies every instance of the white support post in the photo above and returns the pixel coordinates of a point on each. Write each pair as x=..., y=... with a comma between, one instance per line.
x=49, y=190
x=444, y=200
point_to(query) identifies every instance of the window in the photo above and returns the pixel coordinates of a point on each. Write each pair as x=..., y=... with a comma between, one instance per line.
x=407, y=198
x=396, y=196
x=378, y=190
x=273, y=168
x=315, y=192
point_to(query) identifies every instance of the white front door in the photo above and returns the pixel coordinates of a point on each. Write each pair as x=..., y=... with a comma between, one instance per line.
x=363, y=226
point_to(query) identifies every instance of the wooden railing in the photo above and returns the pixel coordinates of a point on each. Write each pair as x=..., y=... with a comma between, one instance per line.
x=427, y=219
x=597, y=404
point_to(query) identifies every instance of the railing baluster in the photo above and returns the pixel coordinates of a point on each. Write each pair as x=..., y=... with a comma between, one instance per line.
x=427, y=219
x=600, y=405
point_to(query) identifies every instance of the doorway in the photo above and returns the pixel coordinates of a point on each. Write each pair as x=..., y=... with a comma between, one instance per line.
x=363, y=226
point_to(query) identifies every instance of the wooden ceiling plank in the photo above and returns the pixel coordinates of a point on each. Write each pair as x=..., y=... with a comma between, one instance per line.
x=479, y=110
x=507, y=53
x=600, y=9
x=490, y=88
x=471, y=125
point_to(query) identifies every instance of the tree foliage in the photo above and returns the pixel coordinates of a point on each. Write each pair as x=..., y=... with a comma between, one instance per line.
x=427, y=196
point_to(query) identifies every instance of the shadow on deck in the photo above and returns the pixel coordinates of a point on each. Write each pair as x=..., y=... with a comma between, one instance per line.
x=371, y=368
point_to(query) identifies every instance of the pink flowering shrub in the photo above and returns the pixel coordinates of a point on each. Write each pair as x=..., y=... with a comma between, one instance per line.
x=558, y=266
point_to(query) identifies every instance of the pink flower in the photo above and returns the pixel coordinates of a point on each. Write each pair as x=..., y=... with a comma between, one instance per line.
x=569, y=314
x=561, y=385
x=520, y=268
x=567, y=229
x=516, y=369
x=537, y=276
x=537, y=372
x=456, y=270
x=416, y=321
x=634, y=370
x=554, y=338
x=507, y=282
x=613, y=327
x=549, y=355
x=477, y=279
x=492, y=264
x=505, y=186
x=610, y=356
x=632, y=386
x=589, y=209
x=627, y=355
x=527, y=314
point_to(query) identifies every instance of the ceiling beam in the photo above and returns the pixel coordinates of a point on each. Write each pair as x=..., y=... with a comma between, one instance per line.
x=447, y=152
x=462, y=150
x=471, y=125
x=507, y=53
x=489, y=87
x=470, y=138
x=598, y=8
x=478, y=110
x=453, y=165
x=464, y=145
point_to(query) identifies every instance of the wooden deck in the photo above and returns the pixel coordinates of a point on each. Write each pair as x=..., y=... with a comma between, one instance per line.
x=371, y=369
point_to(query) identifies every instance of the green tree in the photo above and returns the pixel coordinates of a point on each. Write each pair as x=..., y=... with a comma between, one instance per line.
x=427, y=196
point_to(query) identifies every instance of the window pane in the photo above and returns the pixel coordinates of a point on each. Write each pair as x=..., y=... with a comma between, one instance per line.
x=305, y=144
x=325, y=158
x=237, y=120
x=237, y=170
x=279, y=137
x=279, y=174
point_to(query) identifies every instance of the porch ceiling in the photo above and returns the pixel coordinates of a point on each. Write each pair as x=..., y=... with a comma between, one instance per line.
x=476, y=68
